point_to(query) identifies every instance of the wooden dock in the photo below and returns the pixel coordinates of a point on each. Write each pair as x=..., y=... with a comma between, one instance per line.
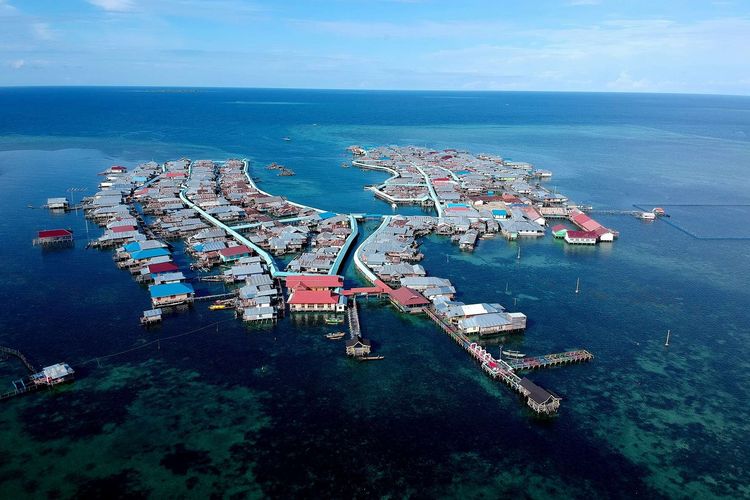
x=20, y=387
x=538, y=399
x=36, y=380
x=353, y=317
x=549, y=360
x=7, y=351
x=220, y=296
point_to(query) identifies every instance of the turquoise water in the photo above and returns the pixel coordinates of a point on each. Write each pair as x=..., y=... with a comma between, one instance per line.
x=280, y=411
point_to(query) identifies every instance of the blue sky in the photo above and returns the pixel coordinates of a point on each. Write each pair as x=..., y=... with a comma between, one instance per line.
x=566, y=45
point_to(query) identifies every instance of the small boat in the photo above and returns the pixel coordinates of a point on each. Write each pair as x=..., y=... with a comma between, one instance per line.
x=286, y=139
x=370, y=358
x=335, y=335
x=513, y=354
x=333, y=320
x=646, y=215
x=218, y=307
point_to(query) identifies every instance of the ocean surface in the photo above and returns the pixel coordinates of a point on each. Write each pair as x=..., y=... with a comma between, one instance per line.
x=232, y=411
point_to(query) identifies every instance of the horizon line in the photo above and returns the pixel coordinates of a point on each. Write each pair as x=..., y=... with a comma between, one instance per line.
x=229, y=87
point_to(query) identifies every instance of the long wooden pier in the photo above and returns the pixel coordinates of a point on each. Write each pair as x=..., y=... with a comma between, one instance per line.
x=48, y=377
x=495, y=368
x=20, y=387
x=537, y=398
x=7, y=351
x=219, y=296
x=550, y=360
x=353, y=317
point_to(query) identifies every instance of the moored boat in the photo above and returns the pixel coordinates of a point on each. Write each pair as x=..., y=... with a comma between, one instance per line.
x=370, y=358
x=333, y=320
x=646, y=215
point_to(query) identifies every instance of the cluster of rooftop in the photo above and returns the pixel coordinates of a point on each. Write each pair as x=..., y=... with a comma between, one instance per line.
x=148, y=258
x=225, y=221
x=386, y=257
x=194, y=201
x=475, y=195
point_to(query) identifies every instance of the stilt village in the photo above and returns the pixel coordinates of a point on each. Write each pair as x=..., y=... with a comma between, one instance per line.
x=236, y=235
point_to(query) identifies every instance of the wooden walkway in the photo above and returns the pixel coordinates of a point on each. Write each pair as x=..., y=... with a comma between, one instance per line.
x=219, y=296
x=353, y=317
x=505, y=370
x=550, y=360
x=20, y=387
x=7, y=351
x=495, y=368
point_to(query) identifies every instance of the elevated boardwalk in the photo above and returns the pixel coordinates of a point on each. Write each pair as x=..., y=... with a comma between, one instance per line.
x=499, y=369
x=363, y=268
x=353, y=317
x=610, y=212
x=19, y=387
x=347, y=246
x=7, y=351
x=47, y=377
x=550, y=360
x=431, y=189
x=219, y=296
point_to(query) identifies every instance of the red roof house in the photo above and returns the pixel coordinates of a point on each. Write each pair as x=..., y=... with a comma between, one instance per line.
x=316, y=300
x=323, y=282
x=162, y=267
x=407, y=299
x=54, y=233
x=581, y=237
x=54, y=237
x=234, y=253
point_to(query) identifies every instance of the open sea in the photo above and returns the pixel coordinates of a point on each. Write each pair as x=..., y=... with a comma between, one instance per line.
x=234, y=411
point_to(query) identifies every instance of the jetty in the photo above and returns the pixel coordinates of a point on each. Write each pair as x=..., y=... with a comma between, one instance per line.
x=5, y=352
x=353, y=317
x=549, y=360
x=357, y=346
x=49, y=376
x=218, y=296
x=538, y=399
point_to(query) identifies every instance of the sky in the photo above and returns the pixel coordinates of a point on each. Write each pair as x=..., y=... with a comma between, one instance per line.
x=565, y=45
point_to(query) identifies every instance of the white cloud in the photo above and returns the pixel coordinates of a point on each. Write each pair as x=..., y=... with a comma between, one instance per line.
x=666, y=56
x=625, y=82
x=113, y=5
x=7, y=9
x=226, y=10
x=42, y=31
x=423, y=29
x=17, y=64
